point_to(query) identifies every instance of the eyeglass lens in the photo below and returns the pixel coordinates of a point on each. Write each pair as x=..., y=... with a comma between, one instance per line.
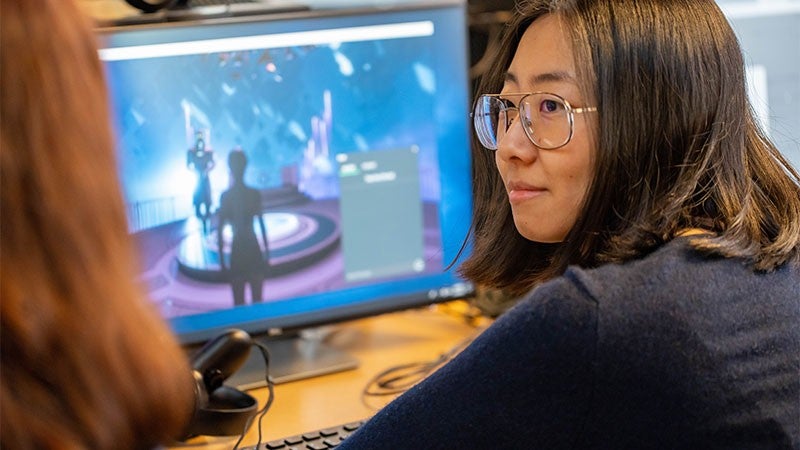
x=544, y=117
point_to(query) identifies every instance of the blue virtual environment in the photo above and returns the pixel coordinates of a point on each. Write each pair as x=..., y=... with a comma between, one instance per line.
x=354, y=183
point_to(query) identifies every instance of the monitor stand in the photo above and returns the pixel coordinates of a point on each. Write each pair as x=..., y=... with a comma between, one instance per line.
x=292, y=358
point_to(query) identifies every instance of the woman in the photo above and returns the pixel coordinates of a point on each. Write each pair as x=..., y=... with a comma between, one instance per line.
x=86, y=361
x=621, y=175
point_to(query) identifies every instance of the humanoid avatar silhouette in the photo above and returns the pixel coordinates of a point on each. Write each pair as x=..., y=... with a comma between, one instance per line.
x=200, y=158
x=239, y=205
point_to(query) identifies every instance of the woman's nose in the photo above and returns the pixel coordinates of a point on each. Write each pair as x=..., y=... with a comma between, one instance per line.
x=515, y=144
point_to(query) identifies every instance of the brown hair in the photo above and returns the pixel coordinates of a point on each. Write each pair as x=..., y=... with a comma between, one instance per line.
x=678, y=147
x=86, y=360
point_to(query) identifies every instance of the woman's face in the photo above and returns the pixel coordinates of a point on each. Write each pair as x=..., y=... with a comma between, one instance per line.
x=546, y=187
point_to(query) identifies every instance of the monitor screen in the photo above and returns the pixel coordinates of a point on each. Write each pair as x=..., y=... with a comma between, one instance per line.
x=285, y=171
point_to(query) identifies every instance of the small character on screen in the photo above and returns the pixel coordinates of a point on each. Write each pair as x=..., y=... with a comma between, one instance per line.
x=200, y=158
x=239, y=205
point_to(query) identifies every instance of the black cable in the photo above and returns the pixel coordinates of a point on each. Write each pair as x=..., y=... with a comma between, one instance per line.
x=398, y=379
x=270, y=397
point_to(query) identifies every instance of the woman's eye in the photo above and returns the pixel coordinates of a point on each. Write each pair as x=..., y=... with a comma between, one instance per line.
x=549, y=106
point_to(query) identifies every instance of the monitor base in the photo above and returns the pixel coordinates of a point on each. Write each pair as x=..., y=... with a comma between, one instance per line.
x=291, y=358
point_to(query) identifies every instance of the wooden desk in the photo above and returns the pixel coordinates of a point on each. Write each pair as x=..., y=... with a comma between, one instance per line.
x=379, y=343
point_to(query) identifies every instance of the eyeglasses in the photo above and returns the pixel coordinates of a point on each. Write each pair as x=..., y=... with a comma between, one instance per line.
x=546, y=118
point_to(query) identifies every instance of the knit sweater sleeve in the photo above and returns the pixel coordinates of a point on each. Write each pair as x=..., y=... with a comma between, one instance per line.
x=525, y=382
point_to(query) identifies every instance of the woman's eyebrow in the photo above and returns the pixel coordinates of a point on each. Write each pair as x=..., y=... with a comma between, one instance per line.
x=510, y=77
x=561, y=76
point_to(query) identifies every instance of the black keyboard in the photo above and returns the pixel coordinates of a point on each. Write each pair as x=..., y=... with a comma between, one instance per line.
x=315, y=440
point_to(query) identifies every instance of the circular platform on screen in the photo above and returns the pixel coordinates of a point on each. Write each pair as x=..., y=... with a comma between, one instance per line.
x=296, y=240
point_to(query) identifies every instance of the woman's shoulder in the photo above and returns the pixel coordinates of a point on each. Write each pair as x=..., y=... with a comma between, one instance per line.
x=677, y=271
x=672, y=284
x=676, y=288
x=610, y=284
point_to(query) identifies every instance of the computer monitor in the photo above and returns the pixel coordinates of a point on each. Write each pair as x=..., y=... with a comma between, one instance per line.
x=353, y=124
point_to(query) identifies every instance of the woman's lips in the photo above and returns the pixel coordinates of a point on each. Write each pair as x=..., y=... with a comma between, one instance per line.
x=519, y=192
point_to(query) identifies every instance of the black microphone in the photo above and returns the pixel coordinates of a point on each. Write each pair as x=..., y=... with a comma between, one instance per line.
x=221, y=357
x=220, y=410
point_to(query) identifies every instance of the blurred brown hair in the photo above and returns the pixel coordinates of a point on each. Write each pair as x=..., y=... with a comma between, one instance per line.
x=86, y=360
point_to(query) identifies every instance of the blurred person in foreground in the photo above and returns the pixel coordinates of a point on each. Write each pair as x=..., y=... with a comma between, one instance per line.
x=87, y=363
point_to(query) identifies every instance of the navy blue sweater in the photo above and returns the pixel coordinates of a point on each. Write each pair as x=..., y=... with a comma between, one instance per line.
x=675, y=350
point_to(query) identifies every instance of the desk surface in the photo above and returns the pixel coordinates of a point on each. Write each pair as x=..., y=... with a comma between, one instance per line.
x=378, y=343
